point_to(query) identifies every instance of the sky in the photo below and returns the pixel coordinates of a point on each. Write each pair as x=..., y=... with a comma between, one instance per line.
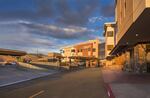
x=48, y=25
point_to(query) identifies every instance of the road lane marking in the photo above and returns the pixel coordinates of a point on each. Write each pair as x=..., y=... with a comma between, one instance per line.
x=36, y=94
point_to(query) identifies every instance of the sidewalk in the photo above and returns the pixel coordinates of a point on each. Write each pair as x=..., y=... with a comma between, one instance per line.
x=12, y=75
x=126, y=85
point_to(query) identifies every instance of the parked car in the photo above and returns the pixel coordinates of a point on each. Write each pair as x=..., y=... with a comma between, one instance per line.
x=11, y=63
x=2, y=63
x=81, y=63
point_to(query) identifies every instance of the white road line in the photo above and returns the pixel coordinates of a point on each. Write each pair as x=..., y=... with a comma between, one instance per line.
x=19, y=81
x=36, y=94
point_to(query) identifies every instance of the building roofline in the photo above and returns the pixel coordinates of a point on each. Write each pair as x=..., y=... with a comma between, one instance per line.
x=72, y=46
x=108, y=24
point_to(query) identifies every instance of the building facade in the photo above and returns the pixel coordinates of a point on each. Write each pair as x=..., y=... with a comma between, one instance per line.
x=109, y=34
x=132, y=34
x=110, y=41
x=67, y=52
x=89, y=49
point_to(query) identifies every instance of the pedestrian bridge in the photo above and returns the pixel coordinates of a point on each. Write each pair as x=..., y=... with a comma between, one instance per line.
x=12, y=52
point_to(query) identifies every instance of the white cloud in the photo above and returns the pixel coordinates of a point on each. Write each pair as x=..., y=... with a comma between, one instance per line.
x=97, y=19
x=29, y=36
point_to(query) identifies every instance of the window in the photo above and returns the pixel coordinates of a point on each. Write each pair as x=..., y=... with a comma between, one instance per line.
x=94, y=50
x=110, y=34
x=148, y=47
x=110, y=47
x=62, y=51
x=80, y=50
x=73, y=50
x=89, y=49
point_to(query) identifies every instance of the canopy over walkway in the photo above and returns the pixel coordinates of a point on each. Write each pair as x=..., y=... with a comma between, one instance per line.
x=83, y=57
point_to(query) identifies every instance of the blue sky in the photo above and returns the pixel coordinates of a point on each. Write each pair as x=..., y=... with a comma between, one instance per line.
x=48, y=25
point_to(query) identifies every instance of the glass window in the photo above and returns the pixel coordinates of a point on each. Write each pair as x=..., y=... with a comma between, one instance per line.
x=73, y=50
x=62, y=51
x=148, y=47
x=78, y=50
x=110, y=47
x=94, y=50
x=110, y=34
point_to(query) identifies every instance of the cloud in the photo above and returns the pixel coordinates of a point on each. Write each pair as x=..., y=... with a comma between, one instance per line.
x=79, y=16
x=27, y=35
x=108, y=10
x=61, y=11
x=68, y=32
x=97, y=19
x=18, y=37
x=50, y=24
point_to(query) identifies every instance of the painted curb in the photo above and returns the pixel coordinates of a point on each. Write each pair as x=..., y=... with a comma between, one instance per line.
x=109, y=91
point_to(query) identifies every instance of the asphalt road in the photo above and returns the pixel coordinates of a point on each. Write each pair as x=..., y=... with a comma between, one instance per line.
x=87, y=83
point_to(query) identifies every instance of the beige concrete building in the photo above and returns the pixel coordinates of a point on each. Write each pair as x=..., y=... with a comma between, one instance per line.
x=66, y=52
x=85, y=50
x=89, y=48
x=132, y=34
x=54, y=55
x=109, y=34
x=110, y=40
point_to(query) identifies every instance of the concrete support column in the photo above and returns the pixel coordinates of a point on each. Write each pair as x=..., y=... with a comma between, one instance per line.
x=59, y=59
x=69, y=61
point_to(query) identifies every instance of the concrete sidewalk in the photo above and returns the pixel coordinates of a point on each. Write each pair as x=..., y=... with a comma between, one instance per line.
x=12, y=75
x=126, y=85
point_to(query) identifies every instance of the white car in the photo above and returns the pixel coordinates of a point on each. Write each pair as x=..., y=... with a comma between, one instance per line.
x=3, y=63
x=81, y=63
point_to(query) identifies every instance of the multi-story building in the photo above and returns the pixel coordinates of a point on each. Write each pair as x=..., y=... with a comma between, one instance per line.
x=109, y=34
x=67, y=52
x=110, y=41
x=102, y=51
x=102, y=54
x=87, y=49
x=132, y=34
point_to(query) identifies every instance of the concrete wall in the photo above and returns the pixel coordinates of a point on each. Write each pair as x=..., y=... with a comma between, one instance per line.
x=124, y=10
x=147, y=3
x=138, y=8
x=127, y=12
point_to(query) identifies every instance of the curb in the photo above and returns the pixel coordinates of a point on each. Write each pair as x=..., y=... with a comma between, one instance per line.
x=20, y=81
x=109, y=91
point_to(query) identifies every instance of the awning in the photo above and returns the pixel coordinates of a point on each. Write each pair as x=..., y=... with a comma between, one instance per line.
x=83, y=57
x=138, y=32
x=118, y=49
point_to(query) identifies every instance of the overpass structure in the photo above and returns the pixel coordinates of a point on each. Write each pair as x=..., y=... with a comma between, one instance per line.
x=12, y=52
